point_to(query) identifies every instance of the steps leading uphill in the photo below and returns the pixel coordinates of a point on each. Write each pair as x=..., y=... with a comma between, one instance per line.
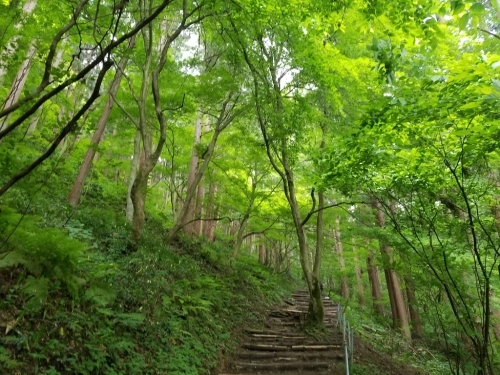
x=284, y=348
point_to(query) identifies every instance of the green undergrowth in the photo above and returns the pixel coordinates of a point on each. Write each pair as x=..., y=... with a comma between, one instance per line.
x=72, y=301
x=378, y=333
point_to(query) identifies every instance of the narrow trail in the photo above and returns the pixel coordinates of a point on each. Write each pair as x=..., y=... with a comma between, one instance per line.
x=284, y=348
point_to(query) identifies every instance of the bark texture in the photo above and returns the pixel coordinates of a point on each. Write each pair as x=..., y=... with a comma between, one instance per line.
x=11, y=46
x=226, y=116
x=359, y=280
x=244, y=220
x=136, y=159
x=76, y=191
x=416, y=324
x=376, y=287
x=399, y=315
x=344, y=285
x=193, y=167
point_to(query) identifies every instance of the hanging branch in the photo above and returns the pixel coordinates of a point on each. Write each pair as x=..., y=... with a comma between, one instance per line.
x=100, y=59
x=329, y=206
x=261, y=231
x=70, y=126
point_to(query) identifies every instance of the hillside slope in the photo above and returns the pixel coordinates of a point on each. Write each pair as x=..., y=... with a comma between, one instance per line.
x=72, y=301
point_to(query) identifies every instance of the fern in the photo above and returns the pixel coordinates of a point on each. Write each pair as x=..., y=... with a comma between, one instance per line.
x=45, y=253
x=36, y=290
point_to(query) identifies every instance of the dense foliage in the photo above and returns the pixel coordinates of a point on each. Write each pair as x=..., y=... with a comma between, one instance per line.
x=165, y=163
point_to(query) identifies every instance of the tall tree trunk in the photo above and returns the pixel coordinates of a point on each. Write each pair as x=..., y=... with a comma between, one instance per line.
x=315, y=312
x=136, y=160
x=495, y=308
x=344, y=285
x=316, y=273
x=19, y=82
x=277, y=152
x=262, y=250
x=139, y=188
x=319, y=235
x=138, y=196
x=198, y=224
x=11, y=46
x=416, y=324
x=244, y=220
x=495, y=318
x=226, y=116
x=374, y=278
x=188, y=228
x=359, y=280
x=399, y=315
x=210, y=211
x=76, y=191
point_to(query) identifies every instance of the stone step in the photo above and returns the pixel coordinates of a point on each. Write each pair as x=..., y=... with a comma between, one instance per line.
x=287, y=356
x=293, y=347
x=272, y=332
x=281, y=366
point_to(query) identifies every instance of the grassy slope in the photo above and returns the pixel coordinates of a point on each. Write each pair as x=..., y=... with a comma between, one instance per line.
x=74, y=303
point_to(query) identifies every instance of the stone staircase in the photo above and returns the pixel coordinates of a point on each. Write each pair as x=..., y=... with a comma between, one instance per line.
x=284, y=348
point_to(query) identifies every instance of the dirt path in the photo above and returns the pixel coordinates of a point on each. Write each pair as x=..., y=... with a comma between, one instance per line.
x=283, y=347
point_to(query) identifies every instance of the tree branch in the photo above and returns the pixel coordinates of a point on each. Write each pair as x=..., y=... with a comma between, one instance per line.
x=70, y=126
x=308, y=216
x=490, y=33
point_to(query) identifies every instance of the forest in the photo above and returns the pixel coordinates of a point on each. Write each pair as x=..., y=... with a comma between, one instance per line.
x=168, y=165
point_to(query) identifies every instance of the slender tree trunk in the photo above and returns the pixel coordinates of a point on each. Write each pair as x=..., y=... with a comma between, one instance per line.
x=246, y=216
x=374, y=278
x=210, y=204
x=495, y=308
x=224, y=119
x=277, y=152
x=138, y=195
x=136, y=159
x=359, y=280
x=213, y=223
x=317, y=305
x=315, y=312
x=198, y=224
x=344, y=286
x=319, y=235
x=495, y=319
x=11, y=46
x=76, y=191
x=399, y=315
x=19, y=82
x=190, y=203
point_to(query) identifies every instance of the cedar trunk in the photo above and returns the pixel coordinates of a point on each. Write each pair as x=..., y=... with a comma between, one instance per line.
x=344, y=286
x=76, y=191
x=376, y=288
x=399, y=315
x=416, y=324
x=359, y=280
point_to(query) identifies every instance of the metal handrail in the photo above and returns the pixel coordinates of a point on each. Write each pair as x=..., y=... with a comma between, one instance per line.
x=347, y=337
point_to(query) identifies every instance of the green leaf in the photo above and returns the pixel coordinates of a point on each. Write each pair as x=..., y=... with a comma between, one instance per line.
x=496, y=84
x=471, y=105
x=477, y=8
x=463, y=21
x=458, y=7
